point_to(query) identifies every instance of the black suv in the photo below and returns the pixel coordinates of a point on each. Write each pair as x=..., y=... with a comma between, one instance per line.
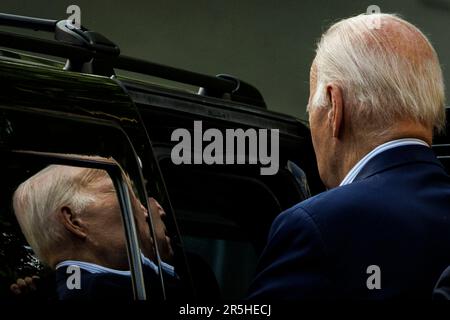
x=58, y=111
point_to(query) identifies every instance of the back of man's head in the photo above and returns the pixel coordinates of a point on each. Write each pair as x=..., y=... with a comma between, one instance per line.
x=37, y=200
x=388, y=72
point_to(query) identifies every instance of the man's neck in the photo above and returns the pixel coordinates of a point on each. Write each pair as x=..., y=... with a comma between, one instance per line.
x=89, y=258
x=350, y=158
x=351, y=148
x=354, y=154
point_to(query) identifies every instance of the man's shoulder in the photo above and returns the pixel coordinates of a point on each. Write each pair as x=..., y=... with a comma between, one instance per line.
x=338, y=207
x=394, y=196
x=346, y=198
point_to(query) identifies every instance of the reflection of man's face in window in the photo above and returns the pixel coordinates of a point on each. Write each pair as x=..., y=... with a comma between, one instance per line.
x=102, y=222
x=161, y=234
x=80, y=213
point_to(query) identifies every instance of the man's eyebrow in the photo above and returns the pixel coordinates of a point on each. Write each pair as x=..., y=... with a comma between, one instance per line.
x=109, y=188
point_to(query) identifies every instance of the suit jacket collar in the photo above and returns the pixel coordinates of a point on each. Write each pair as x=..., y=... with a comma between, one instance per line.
x=398, y=156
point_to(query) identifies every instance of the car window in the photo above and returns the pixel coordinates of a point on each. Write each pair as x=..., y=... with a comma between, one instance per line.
x=90, y=238
x=223, y=219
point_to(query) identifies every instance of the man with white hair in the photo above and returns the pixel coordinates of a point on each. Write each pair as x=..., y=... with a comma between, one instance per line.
x=382, y=230
x=71, y=216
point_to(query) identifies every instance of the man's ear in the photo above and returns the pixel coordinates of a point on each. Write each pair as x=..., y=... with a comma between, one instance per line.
x=72, y=222
x=337, y=109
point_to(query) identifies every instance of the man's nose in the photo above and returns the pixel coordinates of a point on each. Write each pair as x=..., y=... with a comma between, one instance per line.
x=144, y=209
x=161, y=211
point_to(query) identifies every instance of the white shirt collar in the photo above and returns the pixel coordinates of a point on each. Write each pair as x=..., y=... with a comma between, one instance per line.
x=351, y=175
x=95, y=268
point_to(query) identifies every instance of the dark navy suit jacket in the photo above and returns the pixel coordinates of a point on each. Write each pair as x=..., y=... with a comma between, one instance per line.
x=395, y=215
x=94, y=286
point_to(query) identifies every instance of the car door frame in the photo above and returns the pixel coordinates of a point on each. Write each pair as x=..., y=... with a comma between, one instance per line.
x=11, y=143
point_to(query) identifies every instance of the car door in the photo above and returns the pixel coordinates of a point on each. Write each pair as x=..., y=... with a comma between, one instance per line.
x=60, y=138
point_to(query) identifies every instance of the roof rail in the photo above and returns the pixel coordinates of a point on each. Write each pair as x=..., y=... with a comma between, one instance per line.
x=90, y=52
x=36, y=24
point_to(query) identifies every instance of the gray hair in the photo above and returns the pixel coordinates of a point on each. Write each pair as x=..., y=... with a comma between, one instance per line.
x=37, y=201
x=379, y=83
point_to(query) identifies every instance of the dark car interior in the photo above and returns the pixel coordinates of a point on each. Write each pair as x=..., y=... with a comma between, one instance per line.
x=16, y=256
x=225, y=216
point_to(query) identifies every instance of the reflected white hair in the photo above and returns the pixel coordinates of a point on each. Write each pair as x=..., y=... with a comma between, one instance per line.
x=380, y=84
x=37, y=201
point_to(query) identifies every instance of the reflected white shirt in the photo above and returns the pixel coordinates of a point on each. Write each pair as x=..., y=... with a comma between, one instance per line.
x=351, y=175
x=95, y=268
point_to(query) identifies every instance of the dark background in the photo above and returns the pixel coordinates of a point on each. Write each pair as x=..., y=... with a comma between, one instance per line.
x=267, y=43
